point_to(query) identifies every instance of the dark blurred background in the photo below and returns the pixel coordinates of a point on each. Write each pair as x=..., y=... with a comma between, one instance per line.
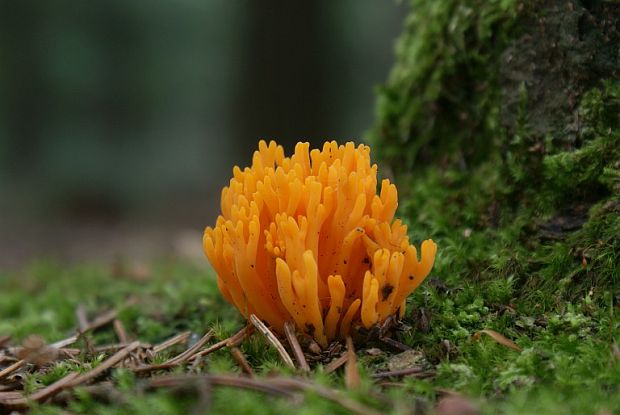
x=120, y=120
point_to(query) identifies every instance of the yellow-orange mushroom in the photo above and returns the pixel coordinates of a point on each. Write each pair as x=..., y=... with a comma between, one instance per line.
x=306, y=238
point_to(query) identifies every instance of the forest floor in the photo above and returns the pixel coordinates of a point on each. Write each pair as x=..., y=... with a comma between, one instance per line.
x=476, y=347
x=520, y=315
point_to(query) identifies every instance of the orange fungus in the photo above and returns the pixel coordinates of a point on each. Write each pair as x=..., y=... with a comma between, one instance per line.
x=307, y=238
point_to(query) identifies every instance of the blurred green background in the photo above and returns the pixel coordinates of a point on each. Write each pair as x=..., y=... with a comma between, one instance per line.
x=120, y=120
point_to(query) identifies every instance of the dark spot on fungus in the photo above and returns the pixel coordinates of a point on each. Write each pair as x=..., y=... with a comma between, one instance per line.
x=386, y=291
x=345, y=262
x=366, y=260
x=411, y=278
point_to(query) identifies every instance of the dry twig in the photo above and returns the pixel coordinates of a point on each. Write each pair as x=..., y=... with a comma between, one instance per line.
x=20, y=401
x=10, y=395
x=109, y=348
x=110, y=362
x=279, y=386
x=65, y=342
x=61, y=344
x=325, y=393
x=104, y=318
x=336, y=363
x=232, y=341
x=100, y=321
x=260, y=385
x=189, y=353
x=351, y=373
x=241, y=361
x=178, y=339
x=10, y=369
x=179, y=359
x=119, y=329
x=271, y=338
x=289, y=330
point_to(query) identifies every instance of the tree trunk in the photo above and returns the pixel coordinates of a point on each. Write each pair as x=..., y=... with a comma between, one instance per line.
x=501, y=122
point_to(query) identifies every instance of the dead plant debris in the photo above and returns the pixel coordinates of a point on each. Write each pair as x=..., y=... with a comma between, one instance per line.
x=498, y=338
x=34, y=354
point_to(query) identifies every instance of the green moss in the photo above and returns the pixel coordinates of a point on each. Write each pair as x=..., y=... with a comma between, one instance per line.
x=593, y=168
x=428, y=108
x=504, y=143
x=561, y=235
x=44, y=297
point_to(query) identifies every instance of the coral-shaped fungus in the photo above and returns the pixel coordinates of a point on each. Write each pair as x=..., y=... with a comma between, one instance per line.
x=306, y=238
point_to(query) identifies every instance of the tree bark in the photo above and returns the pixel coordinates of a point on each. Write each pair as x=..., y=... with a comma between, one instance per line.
x=513, y=107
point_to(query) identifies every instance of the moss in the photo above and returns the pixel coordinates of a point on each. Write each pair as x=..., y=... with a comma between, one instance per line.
x=567, y=348
x=521, y=193
x=524, y=183
x=175, y=297
x=582, y=170
x=563, y=228
x=428, y=109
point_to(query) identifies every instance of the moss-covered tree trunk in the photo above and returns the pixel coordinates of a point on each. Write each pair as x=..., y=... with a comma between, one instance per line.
x=501, y=121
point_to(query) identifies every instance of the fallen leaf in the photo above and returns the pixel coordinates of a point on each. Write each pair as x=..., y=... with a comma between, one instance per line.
x=499, y=338
x=36, y=351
